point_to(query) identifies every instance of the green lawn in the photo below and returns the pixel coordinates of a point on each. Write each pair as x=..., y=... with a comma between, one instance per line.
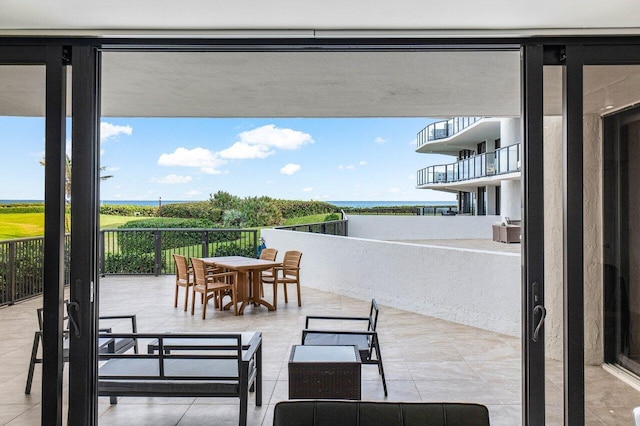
x=305, y=219
x=21, y=225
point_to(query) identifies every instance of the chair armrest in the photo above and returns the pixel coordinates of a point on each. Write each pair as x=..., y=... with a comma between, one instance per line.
x=339, y=318
x=134, y=325
x=254, y=345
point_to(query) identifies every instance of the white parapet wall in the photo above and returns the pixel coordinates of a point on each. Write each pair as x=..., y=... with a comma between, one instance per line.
x=471, y=287
x=397, y=228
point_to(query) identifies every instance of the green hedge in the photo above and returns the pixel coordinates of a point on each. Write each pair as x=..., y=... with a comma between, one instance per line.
x=138, y=242
x=297, y=208
x=128, y=263
x=128, y=210
x=197, y=210
x=21, y=208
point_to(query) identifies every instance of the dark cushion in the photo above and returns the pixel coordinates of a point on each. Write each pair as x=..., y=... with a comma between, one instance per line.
x=356, y=413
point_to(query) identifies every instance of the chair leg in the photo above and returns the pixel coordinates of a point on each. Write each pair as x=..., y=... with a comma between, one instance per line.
x=32, y=363
x=204, y=307
x=175, y=299
x=193, y=301
x=234, y=300
x=286, y=298
x=380, y=367
x=299, y=296
x=275, y=295
x=186, y=297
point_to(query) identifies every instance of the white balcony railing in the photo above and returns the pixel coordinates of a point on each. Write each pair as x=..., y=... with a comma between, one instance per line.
x=444, y=129
x=501, y=161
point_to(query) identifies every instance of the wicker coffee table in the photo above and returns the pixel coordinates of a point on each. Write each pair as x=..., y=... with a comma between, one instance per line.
x=324, y=372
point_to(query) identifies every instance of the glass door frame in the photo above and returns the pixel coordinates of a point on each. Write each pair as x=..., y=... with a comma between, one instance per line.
x=570, y=53
x=55, y=60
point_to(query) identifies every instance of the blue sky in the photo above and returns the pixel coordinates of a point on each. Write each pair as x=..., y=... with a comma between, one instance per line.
x=326, y=159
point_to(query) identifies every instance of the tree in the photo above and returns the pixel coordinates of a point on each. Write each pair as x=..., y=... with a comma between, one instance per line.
x=67, y=176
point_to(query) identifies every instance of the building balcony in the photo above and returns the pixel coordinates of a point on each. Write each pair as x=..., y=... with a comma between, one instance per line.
x=500, y=162
x=459, y=133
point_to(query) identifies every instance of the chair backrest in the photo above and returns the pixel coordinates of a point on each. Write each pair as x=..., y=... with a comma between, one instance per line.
x=373, y=315
x=291, y=261
x=199, y=272
x=182, y=267
x=268, y=254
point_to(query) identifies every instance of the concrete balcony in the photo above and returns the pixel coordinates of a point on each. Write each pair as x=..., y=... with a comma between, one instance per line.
x=425, y=359
x=484, y=169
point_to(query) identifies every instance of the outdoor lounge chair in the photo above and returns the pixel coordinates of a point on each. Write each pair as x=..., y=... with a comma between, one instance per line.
x=366, y=340
x=115, y=345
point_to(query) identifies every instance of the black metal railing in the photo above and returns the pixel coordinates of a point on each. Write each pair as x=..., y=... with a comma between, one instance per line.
x=22, y=268
x=332, y=227
x=444, y=129
x=148, y=251
x=503, y=160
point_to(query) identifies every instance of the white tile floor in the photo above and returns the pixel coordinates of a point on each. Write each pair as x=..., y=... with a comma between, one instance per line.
x=425, y=359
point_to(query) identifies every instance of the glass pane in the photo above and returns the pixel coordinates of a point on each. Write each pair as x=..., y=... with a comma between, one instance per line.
x=612, y=275
x=22, y=136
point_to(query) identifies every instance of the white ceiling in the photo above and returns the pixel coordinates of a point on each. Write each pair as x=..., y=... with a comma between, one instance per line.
x=320, y=18
x=319, y=84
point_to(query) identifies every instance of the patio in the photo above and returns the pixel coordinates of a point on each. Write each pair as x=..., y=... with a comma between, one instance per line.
x=425, y=359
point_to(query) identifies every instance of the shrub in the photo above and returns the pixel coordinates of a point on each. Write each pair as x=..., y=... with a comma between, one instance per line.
x=332, y=216
x=260, y=211
x=234, y=250
x=233, y=218
x=197, y=210
x=21, y=208
x=141, y=263
x=224, y=201
x=128, y=210
x=297, y=208
x=144, y=242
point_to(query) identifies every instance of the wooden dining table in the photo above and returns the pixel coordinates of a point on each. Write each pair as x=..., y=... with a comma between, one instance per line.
x=248, y=269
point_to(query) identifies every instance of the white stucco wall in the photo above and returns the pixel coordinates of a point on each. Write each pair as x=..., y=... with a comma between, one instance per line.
x=592, y=238
x=470, y=287
x=511, y=199
x=510, y=131
x=378, y=227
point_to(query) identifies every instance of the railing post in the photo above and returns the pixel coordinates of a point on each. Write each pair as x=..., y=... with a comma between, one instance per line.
x=158, y=249
x=102, y=249
x=205, y=243
x=12, y=273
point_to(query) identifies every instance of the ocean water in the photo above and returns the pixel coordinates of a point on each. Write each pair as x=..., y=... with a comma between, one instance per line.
x=357, y=204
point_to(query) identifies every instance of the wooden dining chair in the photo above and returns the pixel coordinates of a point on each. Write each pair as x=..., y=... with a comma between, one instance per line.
x=288, y=273
x=212, y=286
x=183, y=279
x=267, y=254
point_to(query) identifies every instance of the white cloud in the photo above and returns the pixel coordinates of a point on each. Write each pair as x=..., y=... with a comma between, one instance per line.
x=193, y=193
x=380, y=140
x=411, y=177
x=308, y=189
x=209, y=162
x=394, y=190
x=413, y=142
x=108, y=130
x=172, y=179
x=363, y=163
x=348, y=167
x=272, y=136
x=242, y=150
x=290, y=169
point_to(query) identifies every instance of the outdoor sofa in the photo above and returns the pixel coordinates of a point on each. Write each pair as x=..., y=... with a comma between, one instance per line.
x=186, y=365
x=361, y=413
